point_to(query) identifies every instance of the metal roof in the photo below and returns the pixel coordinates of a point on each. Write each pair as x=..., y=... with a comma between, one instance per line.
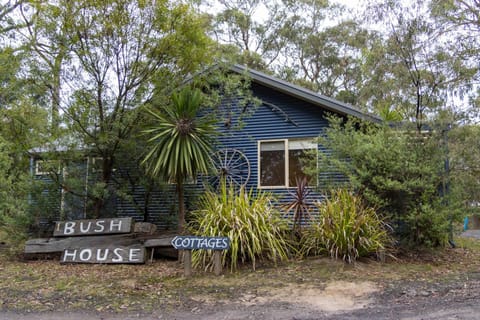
x=291, y=89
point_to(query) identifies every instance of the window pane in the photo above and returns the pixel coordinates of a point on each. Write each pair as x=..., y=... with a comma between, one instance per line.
x=272, y=163
x=301, y=155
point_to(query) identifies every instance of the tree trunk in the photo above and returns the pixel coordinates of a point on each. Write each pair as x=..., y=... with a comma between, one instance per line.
x=181, y=207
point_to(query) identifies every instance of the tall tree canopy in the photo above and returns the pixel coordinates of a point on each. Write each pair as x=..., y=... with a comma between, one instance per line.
x=101, y=61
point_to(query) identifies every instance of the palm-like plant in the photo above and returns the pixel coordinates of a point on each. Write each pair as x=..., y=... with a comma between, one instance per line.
x=181, y=143
x=299, y=204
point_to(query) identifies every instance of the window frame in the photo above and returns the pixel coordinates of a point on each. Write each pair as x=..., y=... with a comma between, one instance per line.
x=40, y=172
x=286, y=150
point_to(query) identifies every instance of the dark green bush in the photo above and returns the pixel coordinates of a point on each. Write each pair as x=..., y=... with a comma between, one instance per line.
x=15, y=185
x=400, y=172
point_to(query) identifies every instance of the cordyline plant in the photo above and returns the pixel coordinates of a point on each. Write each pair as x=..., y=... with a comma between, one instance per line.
x=299, y=205
x=254, y=227
x=181, y=143
x=345, y=229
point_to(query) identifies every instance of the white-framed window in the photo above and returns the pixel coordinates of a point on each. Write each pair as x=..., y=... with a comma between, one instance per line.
x=46, y=167
x=281, y=161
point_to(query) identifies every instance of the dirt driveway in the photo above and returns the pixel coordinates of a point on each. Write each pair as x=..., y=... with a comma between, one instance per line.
x=413, y=300
x=439, y=285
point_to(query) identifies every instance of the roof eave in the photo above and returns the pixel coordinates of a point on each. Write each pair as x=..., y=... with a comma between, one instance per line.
x=305, y=94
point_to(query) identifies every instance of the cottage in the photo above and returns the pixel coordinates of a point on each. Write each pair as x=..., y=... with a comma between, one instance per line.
x=264, y=149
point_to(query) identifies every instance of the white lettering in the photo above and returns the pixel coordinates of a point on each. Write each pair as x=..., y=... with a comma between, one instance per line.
x=83, y=230
x=225, y=243
x=133, y=255
x=85, y=255
x=99, y=255
x=99, y=226
x=68, y=228
x=67, y=254
x=203, y=243
x=211, y=243
x=116, y=224
x=118, y=257
x=177, y=242
x=185, y=242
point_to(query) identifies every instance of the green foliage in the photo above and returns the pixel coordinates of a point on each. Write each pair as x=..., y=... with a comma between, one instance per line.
x=464, y=151
x=254, y=227
x=114, y=56
x=413, y=63
x=180, y=142
x=400, y=172
x=14, y=189
x=345, y=229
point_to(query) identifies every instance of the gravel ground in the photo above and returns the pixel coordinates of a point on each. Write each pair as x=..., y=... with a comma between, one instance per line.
x=412, y=300
x=433, y=287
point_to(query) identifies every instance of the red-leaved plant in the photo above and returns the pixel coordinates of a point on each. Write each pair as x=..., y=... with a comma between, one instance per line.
x=300, y=205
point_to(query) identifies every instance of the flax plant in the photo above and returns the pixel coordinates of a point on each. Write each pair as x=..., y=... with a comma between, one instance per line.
x=346, y=229
x=249, y=220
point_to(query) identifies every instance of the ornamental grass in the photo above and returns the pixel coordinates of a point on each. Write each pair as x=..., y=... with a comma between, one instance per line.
x=255, y=229
x=345, y=229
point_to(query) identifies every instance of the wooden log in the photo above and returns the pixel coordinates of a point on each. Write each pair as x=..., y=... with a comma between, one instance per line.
x=144, y=228
x=50, y=245
x=158, y=242
x=53, y=245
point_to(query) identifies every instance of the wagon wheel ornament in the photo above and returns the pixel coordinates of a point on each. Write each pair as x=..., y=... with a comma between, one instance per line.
x=231, y=166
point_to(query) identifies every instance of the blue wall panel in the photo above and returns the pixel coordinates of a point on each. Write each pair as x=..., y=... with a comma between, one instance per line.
x=279, y=116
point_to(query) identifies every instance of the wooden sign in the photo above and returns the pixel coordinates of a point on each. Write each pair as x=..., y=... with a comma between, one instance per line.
x=189, y=243
x=92, y=227
x=111, y=255
x=206, y=243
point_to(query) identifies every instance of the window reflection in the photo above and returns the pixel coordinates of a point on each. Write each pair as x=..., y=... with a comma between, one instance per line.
x=301, y=155
x=272, y=163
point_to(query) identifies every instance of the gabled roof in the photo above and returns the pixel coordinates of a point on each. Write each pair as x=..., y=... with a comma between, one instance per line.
x=322, y=101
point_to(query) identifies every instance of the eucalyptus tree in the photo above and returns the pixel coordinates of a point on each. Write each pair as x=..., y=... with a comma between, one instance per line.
x=412, y=67
x=328, y=60
x=310, y=42
x=255, y=28
x=102, y=60
x=8, y=22
x=21, y=123
x=181, y=142
x=460, y=21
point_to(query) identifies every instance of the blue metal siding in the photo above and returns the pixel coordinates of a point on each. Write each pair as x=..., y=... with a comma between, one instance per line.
x=292, y=119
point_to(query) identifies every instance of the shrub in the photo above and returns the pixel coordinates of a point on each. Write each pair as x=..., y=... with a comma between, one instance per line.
x=401, y=172
x=345, y=229
x=253, y=226
x=14, y=188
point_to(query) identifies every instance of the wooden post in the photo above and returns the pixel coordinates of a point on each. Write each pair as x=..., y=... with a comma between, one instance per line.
x=188, y=243
x=187, y=262
x=217, y=262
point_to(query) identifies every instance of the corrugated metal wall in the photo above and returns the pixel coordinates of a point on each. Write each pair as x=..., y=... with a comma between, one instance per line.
x=279, y=116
